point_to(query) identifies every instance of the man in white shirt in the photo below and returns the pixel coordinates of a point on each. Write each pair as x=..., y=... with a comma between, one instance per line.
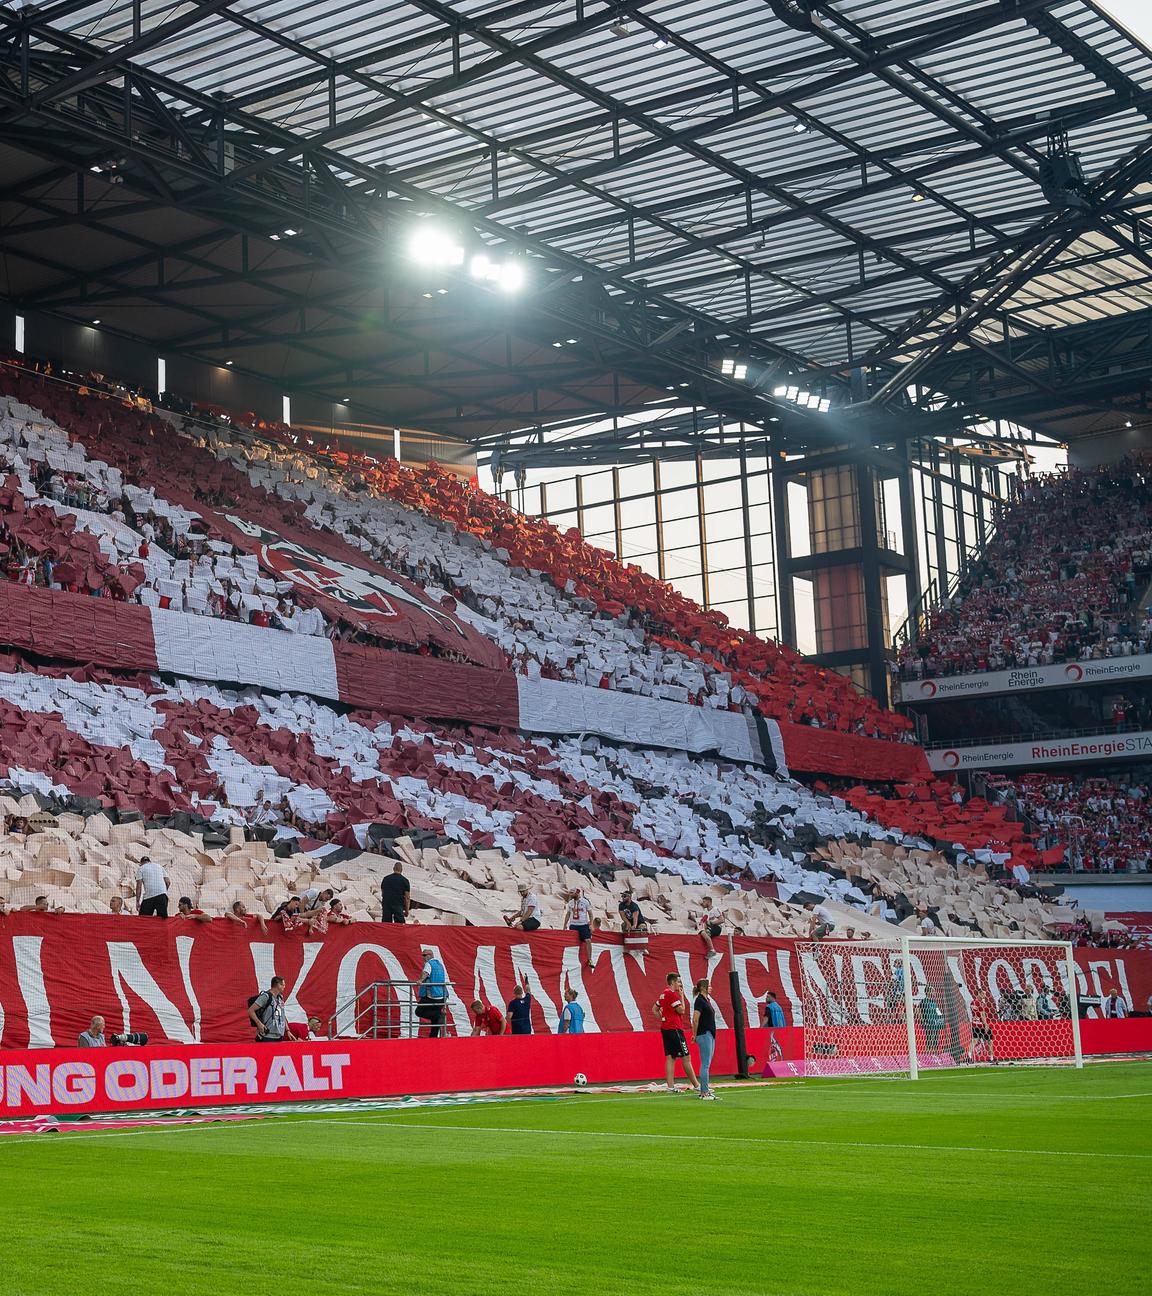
x=528, y=917
x=152, y=885
x=1113, y=1006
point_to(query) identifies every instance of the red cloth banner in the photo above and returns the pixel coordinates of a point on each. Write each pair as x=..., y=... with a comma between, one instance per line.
x=189, y=983
x=828, y=751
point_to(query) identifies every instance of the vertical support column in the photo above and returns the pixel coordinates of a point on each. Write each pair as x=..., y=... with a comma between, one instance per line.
x=658, y=503
x=873, y=593
x=746, y=519
x=783, y=540
x=908, y=538
x=702, y=532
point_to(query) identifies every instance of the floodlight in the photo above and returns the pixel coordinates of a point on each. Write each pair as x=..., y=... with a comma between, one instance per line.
x=434, y=247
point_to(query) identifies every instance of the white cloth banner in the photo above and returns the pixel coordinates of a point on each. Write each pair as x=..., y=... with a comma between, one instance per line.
x=1063, y=675
x=212, y=649
x=556, y=707
x=1049, y=751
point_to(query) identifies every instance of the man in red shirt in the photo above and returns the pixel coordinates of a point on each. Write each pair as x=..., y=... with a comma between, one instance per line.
x=487, y=1021
x=185, y=909
x=671, y=1010
x=981, y=1014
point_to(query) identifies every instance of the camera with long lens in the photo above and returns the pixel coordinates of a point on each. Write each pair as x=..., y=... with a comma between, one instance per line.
x=132, y=1037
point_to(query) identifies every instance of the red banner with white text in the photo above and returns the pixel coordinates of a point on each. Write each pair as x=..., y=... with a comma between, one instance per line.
x=188, y=983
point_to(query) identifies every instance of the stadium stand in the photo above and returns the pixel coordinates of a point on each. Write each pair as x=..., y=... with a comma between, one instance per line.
x=1095, y=824
x=1062, y=580
x=306, y=570
x=560, y=608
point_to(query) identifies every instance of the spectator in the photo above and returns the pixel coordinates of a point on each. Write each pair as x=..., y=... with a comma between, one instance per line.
x=396, y=895
x=238, y=913
x=571, y=1015
x=93, y=1037
x=116, y=907
x=487, y=1020
x=337, y=914
x=704, y=1027
x=520, y=1011
x=773, y=1013
x=432, y=993
x=152, y=885
x=1045, y=1004
x=1113, y=1006
x=41, y=905
x=527, y=917
x=578, y=919
x=821, y=923
x=925, y=923
x=185, y=909
x=631, y=919
x=709, y=925
x=315, y=1029
x=266, y=1013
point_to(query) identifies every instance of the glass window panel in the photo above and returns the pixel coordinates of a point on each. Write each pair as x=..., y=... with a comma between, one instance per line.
x=597, y=487
x=726, y=586
x=681, y=533
x=599, y=520
x=561, y=495
x=638, y=512
x=680, y=503
x=639, y=540
x=724, y=525
x=725, y=554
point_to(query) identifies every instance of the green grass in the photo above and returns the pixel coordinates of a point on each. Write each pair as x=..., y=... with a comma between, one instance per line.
x=1023, y=1181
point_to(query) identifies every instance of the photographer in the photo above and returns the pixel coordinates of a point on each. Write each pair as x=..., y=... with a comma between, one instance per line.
x=266, y=1013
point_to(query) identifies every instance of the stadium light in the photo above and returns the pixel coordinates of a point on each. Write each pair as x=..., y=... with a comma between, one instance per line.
x=432, y=246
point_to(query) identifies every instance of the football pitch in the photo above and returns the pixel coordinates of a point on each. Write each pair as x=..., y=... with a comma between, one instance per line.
x=995, y=1181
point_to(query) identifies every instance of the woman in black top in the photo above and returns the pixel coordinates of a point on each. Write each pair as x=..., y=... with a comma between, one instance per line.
x=704, y=1028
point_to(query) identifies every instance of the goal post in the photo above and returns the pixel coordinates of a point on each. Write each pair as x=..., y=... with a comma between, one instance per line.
x=913, y=1003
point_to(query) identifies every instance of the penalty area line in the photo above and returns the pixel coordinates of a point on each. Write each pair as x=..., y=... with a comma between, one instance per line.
x=729, y=1138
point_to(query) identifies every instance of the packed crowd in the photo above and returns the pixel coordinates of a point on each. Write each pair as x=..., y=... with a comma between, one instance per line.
x=1083, y=823
x=1061, y=581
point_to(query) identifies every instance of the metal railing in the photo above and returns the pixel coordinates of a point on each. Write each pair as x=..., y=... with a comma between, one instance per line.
x=387, y=1010
x=1039, y=735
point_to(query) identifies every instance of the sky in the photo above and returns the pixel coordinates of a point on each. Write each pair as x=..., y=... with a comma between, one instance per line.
x=1136, y=15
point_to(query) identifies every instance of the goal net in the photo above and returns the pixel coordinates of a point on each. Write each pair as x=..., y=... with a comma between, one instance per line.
x=926, y=1003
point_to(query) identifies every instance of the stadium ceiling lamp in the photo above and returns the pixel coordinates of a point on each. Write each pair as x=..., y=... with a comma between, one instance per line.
x=283, y=234
x=803, y=399
x=508, y=275
x=733, y=368
x=434, y=247
x=229, y=363
x=95, y=321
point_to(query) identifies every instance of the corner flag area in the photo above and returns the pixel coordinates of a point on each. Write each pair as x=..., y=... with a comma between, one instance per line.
x=993, y=1181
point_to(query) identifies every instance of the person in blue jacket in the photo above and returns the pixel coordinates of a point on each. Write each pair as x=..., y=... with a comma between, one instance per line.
x=571, y=1015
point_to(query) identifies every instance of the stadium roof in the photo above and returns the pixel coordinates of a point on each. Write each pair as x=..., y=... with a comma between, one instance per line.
x=810, y=187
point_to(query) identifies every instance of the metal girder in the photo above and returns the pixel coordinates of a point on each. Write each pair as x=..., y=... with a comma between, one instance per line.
x=618, y=295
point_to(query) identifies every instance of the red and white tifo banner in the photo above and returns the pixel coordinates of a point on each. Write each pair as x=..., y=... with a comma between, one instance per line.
x=124, y=636
x=189, y=983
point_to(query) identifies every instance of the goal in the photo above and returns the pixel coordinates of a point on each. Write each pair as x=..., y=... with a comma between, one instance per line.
x=919, y=1003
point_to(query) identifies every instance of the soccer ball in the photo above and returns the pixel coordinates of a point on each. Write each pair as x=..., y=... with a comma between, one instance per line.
x=579, y=1079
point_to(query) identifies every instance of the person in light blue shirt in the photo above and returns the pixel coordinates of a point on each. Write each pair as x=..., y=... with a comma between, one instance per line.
x=432, y=993
x=773, y=1013
x=571, y=1015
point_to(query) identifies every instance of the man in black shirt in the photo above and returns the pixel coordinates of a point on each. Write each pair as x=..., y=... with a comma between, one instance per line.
x=631, y=919
x=396, y=894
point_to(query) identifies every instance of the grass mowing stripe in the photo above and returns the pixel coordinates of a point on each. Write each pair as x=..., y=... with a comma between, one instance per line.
x=730, y=1138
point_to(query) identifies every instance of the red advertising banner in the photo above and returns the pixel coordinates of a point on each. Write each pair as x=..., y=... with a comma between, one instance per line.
x=189, y=983
x=72, y=1082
